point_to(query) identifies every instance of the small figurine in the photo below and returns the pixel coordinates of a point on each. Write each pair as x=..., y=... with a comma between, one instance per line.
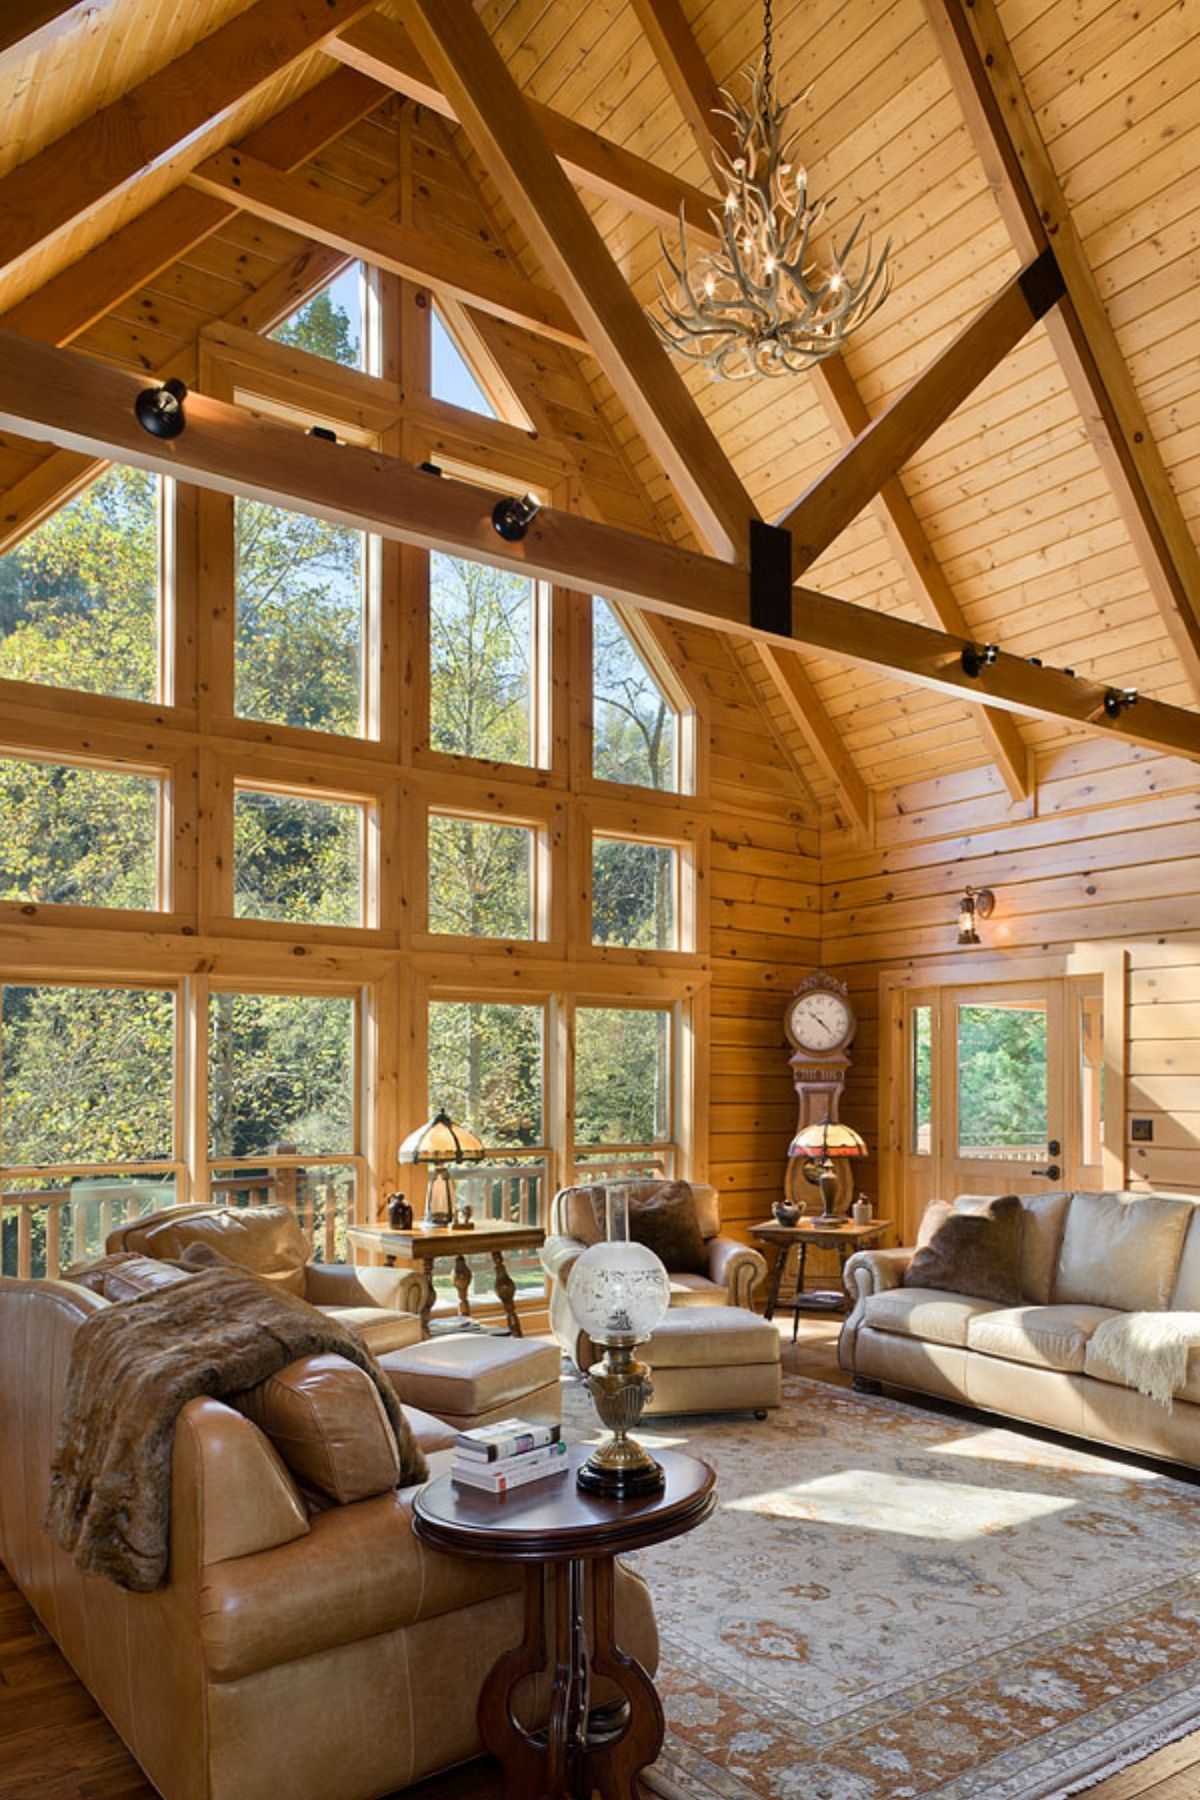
x=399, y=1213
x=463, y=1219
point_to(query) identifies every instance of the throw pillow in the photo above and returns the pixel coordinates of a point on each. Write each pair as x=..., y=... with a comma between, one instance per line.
x=667, y=1224
x=327, y=1422
x=976, y=1253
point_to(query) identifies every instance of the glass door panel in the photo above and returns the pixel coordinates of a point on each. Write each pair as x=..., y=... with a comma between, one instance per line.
x=1003, y=1085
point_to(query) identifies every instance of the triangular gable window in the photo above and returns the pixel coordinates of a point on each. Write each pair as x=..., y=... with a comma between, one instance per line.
x=452, y=379
x=331, y=323
x=635, y=726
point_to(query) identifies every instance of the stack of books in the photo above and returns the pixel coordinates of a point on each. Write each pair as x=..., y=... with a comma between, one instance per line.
x=509, y=1454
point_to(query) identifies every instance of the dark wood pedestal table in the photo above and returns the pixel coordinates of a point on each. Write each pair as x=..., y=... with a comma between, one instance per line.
x=421, y=1249
x=571, y=1537
x=842, y=1236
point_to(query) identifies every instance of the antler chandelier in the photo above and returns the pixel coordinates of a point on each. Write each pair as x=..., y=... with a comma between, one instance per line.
x=760, y=304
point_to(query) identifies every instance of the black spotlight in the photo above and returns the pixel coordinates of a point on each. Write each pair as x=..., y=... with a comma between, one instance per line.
x=160, y=409
x=512, y=518
x=326, y=434
x=976, y=657
x=1117, y=699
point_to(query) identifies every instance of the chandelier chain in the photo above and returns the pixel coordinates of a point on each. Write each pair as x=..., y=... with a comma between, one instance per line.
x=766, y=56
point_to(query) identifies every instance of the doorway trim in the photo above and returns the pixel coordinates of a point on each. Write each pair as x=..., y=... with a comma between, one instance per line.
x=1109, y=961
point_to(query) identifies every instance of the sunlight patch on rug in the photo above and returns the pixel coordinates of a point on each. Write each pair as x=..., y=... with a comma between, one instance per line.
x=889, y=1605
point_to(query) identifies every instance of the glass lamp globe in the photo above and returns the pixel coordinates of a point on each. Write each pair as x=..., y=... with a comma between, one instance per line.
x=619, y=1292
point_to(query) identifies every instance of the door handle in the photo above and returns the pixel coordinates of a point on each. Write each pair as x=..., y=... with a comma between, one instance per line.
x=1051, y=1174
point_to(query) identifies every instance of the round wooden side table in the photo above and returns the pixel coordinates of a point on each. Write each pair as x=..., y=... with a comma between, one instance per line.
x=556, y=1530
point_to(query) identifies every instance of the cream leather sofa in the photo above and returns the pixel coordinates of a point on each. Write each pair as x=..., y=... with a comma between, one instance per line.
x=730, y=1278
x=1084, y=1257
x=325, y=1655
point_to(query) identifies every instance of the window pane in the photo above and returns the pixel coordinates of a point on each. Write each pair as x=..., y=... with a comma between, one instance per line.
x=87, y=1075
x=485, y=1068
x=922, y=1080
x=321, y=1196
x=452, y=378
x=297, y=858
x=633, y=894
x=622, y=1075
x=77, y=837
x=1002, y=1082
x=86, y=1209
x=481, y=661
x=1091, y=1077
x=280, y=1072
x=299, y=619
x=331, y=324
x=79, y=596
x=480, y=878
x=635, y=730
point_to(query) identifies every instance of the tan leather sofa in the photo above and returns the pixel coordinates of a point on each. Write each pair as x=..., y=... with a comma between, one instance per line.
x=733, y=1270
x=324, y=1655
x=1084, y=1258
x=381, y=1305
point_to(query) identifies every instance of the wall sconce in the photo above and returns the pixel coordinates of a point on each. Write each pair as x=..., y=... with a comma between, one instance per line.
x=976, y=903
x=512, y=518
x=159, y=410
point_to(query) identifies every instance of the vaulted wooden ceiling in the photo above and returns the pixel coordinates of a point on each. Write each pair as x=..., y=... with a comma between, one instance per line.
x=1054, y=511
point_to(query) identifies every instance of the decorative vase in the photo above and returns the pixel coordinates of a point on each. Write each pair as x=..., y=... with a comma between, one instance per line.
x=786, y=1213
x=399, y=1213
x=861, y=1211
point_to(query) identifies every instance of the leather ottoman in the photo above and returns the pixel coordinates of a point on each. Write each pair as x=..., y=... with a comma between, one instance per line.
x=470, y=1378
x=713, y=1359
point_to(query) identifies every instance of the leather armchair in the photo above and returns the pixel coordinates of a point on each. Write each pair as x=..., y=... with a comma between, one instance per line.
x=733, y=1272
x=324, y=1654
x=381, y=1305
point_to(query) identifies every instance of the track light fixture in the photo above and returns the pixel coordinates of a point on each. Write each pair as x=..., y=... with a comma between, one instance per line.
x=159, y=410
x=1117, y=699
x=326, y=434
x=975, y=903
x=976, y=657
x=512, y=518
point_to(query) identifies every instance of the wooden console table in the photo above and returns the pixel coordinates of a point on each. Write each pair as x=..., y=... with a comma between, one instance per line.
x=779, y=1240
x=490, y=1237
x=571, y=1539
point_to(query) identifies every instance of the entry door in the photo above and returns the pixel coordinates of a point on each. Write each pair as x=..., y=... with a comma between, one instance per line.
x=1004, y=1087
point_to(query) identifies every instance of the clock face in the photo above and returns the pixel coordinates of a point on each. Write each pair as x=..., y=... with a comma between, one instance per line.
x=819, y=1021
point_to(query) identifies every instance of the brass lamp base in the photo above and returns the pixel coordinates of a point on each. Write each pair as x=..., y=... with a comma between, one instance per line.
x=619, y=1467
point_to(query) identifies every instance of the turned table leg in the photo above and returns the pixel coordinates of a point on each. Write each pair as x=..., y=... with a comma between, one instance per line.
x=781, y=1256
x=428, y=1297
x=506, y=1293
x=462, y=1281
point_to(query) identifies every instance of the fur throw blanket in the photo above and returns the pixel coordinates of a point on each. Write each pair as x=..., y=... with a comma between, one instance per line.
x=1148, y=1351
x=132, y=1368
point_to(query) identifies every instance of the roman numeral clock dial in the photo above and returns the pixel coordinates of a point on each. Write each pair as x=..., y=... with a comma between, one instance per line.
x=819, y=1022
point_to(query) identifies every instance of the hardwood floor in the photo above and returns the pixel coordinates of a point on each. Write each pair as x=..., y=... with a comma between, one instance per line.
x=55, y=1745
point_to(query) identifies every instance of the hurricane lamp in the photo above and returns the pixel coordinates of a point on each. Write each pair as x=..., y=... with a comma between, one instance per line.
x=823, y=1146
x=442, y=1145
x=618, y=1292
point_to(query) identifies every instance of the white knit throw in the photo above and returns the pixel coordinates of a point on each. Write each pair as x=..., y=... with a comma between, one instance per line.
x=1149, y=1350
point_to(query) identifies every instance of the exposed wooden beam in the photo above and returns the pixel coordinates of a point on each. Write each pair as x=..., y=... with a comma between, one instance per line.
x=1036, y=212
x=382, y=49
x=803, y=702
x=28, y=26
x=560, y=232
x=126, y=262
x=919, y=562
x=166, y=116
x=305, y=204
x=99, y=280
x=854, y=478
x=698, y=97
x=63, y=398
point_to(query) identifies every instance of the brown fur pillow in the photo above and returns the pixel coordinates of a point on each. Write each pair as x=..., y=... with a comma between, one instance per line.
x=667, y=1224
x=976, y=1253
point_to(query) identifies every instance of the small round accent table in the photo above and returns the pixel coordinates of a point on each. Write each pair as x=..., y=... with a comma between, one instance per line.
x=556, y=1530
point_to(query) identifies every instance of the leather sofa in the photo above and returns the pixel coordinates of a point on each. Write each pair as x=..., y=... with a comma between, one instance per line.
x=733, y=1270
x=1084, y=1258
x=314, y=1649
x=380, y=1305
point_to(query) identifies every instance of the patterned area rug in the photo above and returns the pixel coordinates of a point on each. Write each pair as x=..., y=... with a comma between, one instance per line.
x=893, y=1605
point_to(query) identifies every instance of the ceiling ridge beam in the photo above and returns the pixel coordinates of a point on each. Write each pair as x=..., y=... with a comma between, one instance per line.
x=165, y=116
x=302, y=203
x=382, y=49
x=28, y=27
x=855, y=477
x=67, y=399
x=1036, y=212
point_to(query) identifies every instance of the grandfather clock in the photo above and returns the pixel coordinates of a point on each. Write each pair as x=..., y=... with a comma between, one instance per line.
x=820, y=1024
